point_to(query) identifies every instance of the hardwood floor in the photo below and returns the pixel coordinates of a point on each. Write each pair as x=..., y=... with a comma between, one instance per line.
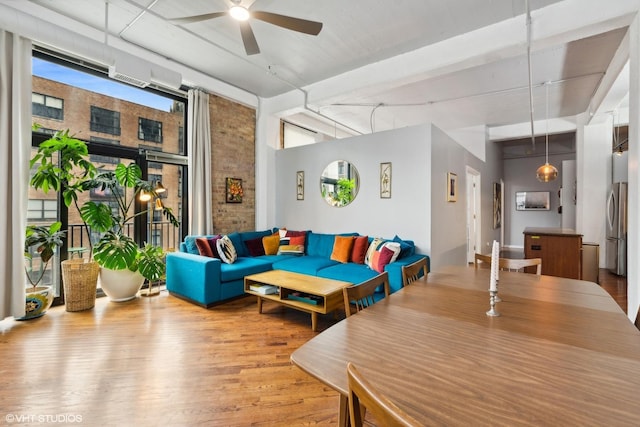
x=162, y=361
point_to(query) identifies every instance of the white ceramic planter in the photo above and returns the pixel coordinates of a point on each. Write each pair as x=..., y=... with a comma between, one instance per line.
x=37, y=302
x=120, y=285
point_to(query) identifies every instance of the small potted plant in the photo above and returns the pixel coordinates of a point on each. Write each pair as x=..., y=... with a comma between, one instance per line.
x=44, y=240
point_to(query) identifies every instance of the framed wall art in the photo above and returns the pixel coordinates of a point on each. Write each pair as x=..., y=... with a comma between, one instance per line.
x=385, y=180
x=497, y=205
x=234, y=190
x=300, y=185
x=452, y=187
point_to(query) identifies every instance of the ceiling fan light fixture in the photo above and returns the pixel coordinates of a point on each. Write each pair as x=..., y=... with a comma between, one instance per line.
x=239, y=13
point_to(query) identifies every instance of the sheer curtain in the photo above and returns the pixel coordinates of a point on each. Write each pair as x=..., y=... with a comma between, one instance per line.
x=199, y=143
x=15, y=149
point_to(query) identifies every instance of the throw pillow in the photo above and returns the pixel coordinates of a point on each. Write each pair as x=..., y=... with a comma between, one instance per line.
x=373, y=247
x=407, y=247
x=291, y=250
x=291, y=233
x=214, y=247
x=254, y=246
x=270, y=244
x=342, y=247
x=190, y=244
x=202, y=243
x=226, y=250
x=360, y=245
x=381, y=258
x=380, y=253
x=297, y=240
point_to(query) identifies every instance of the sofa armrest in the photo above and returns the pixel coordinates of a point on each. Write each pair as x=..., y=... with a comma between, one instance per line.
x=194, y=277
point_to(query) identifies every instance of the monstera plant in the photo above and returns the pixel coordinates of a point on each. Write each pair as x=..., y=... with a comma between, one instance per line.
x=118, y=255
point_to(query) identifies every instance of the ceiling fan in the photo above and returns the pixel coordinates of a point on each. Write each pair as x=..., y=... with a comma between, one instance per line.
x=243, y=14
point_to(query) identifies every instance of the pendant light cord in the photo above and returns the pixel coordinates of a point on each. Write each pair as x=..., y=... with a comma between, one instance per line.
x=546, y=159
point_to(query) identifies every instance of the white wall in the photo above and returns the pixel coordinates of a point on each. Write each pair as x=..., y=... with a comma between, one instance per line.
x=407, y=213
x=449, y=219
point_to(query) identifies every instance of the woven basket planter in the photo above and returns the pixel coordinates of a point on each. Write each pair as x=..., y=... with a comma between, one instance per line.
x=80, y=281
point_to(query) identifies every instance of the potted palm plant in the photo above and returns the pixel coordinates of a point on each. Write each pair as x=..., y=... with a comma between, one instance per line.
x=44, y=240
x=124, y=265
x=62, y=164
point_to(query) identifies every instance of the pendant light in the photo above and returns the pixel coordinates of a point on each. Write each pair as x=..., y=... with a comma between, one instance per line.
x=547, y=172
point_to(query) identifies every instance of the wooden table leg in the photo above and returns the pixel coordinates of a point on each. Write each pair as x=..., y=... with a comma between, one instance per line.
x=343, y=420
x=259, y=305
x=314, y=321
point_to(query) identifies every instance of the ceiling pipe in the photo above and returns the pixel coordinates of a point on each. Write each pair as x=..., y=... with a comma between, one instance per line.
x=533, y=138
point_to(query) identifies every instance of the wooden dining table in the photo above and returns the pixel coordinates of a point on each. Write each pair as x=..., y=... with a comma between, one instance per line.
x=561, y=353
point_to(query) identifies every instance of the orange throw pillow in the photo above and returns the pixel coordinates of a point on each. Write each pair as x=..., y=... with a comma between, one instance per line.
x=203, y=247
x=271, y=244
x=342, y=247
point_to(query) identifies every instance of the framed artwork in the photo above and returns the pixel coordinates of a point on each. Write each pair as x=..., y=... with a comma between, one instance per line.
x=497, y=205
x=385, y=180
x=532, y=201
x=300, y=185
x=234, y=190
x=452, y=187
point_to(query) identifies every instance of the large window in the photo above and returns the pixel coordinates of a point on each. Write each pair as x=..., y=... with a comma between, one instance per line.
x=105, y=121
x=149, y=130
x=94, y=114
x=47, y=106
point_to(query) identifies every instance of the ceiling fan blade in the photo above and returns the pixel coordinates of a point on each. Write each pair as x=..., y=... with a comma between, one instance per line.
x=196, y=18
x=288, y=22
x=248, y=38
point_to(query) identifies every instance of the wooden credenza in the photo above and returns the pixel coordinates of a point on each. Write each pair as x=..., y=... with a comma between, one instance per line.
x=559, y=248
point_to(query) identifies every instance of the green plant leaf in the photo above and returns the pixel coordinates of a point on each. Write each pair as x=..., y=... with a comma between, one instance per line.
x=97, y=216
x=151, y=262
x=128, y=176
x=116, y=252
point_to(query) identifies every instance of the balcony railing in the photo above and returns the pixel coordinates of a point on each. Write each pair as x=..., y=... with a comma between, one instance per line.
x=161, y=233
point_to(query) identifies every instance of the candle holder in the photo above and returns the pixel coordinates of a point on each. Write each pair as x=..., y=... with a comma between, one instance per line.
x=492, y=302
x=498, y=299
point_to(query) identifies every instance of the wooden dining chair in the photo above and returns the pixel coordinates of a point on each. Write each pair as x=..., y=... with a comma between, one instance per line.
x=364, y=397
x=411, y=272
x=360, y=295
x=509, y=264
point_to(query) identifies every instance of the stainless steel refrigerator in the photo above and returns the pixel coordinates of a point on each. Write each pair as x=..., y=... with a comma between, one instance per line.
x=617, y=229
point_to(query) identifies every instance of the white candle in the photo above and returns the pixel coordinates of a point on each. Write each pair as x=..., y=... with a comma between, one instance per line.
x=495, y=254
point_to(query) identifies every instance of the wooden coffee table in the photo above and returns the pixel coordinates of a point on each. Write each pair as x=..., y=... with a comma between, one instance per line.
x=313, y=294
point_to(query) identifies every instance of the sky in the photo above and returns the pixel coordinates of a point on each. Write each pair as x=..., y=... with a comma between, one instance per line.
x=100, y=85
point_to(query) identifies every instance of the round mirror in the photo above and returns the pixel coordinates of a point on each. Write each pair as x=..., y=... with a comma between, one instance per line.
x=339, y=183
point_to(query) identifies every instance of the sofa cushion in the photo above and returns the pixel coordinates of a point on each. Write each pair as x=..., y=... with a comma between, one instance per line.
x=238, y=244
x=380, y=253
x=348, y=272
x=342, y=247
x=226, y=250
x=305, y=265
x=360, y=246
x=204, y=249
x=243, y=266
x=319, y=244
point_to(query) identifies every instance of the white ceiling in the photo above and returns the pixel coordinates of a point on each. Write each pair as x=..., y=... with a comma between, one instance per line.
x=378, y=64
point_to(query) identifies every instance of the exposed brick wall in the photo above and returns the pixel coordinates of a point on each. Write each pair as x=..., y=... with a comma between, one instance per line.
x=233, y=128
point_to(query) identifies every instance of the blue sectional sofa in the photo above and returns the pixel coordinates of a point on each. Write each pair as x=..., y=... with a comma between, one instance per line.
x=207, y=281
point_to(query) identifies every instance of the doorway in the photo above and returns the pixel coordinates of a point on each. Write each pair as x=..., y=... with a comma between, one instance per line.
x=474, y=231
